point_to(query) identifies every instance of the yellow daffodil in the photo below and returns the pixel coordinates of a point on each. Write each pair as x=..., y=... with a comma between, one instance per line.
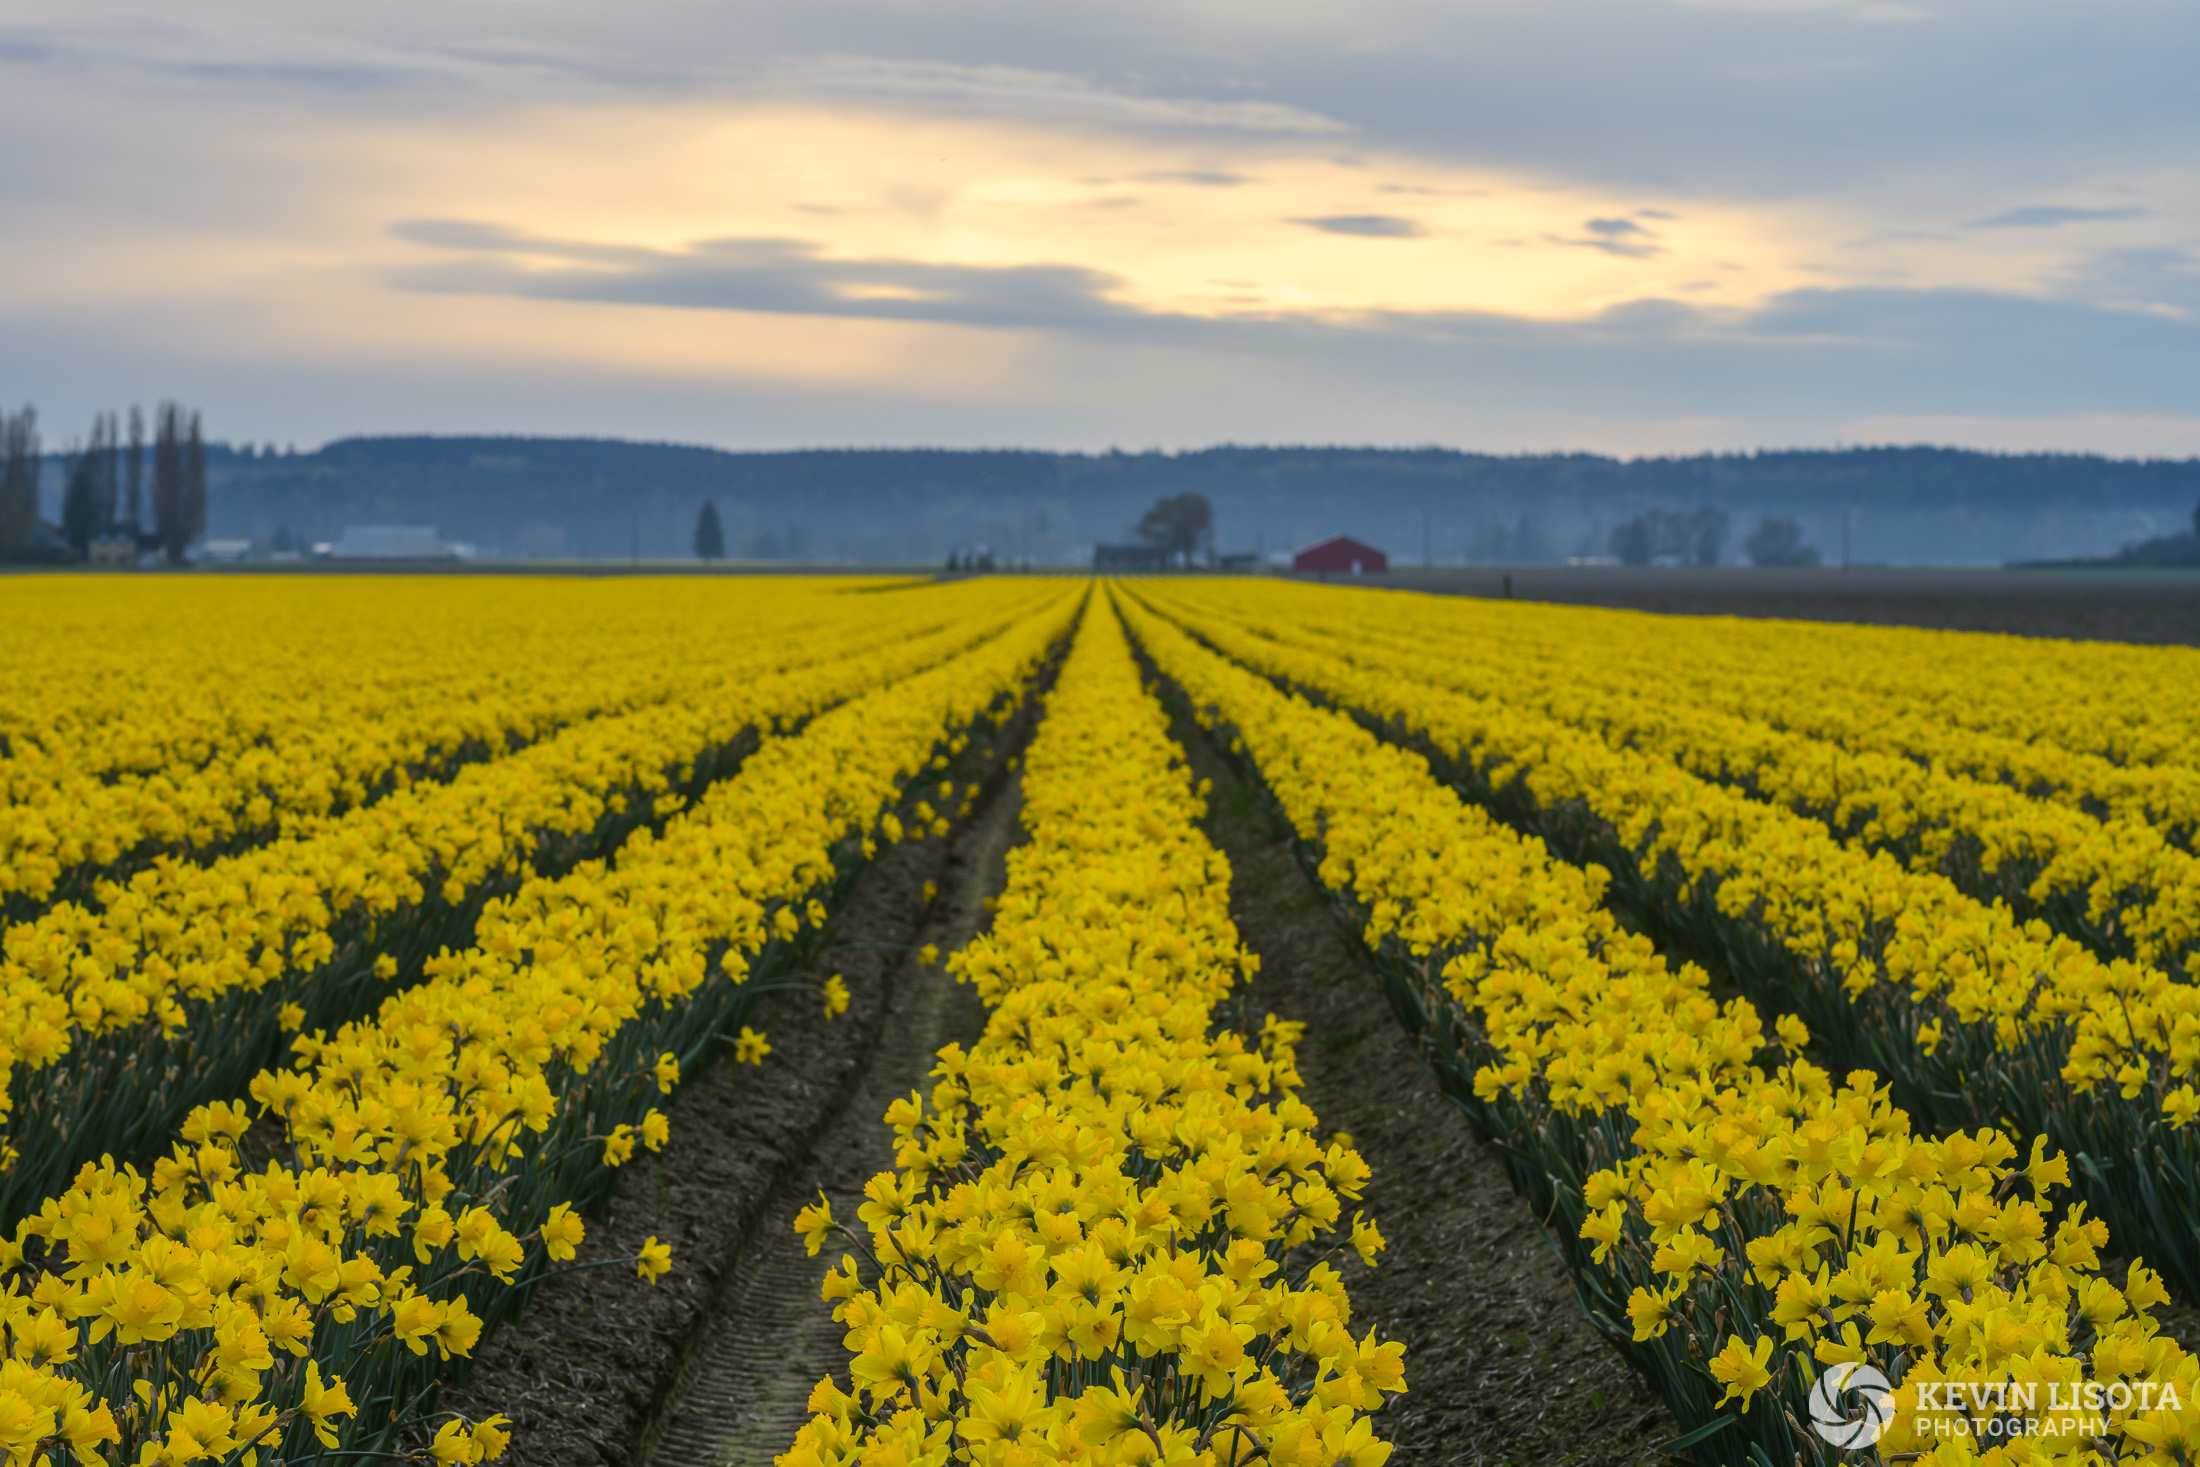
x=1743, y=1369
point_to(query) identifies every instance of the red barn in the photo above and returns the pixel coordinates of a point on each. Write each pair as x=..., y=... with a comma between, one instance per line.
x=1341, y=553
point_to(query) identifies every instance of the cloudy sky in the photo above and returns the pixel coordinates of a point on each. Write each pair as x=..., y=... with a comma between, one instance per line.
x=1624, y=225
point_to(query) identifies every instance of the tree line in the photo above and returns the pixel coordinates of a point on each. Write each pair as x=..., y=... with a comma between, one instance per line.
x=1664, y=536
x=110, y=511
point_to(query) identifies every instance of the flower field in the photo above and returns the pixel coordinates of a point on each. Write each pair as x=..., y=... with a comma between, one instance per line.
x=1827, y=992
x=1108, y=1232
x=1736, y=1217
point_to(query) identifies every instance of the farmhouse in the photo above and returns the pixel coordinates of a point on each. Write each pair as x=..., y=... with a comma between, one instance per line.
x=1341, y=553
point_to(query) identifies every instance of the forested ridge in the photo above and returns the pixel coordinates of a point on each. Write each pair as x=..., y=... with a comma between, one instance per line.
x=547, y=497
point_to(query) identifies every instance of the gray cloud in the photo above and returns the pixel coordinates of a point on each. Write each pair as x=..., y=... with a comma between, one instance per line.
x=1366, y=226
x=1882, y=237
x=2164, y=280
x=1886, y=352
x=261, y=59
x=783, y=276
x=476, y=236
x=1652, y=377
x=565, y=67
x=2047, y=216
x=1030, y=92
x=1198, y=177
x=1622, y=237
x=1994, y=99
x=1847, y=351
x=2003, y=95
x=1995, y=104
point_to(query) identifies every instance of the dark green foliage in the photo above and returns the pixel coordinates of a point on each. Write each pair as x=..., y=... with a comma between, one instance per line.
x=179, y=481
x=19, y=474
x=918, y=504
x=132, y=522
x=1664, y=535
x=1779, y=542
x=88, y=500
x=710, y=536
x=1179, y=525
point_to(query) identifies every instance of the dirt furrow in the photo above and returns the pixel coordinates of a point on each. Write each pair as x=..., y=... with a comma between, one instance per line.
x=598, y=1370
x=714, y=1368
x=1502, y=1366
x=747, y=1393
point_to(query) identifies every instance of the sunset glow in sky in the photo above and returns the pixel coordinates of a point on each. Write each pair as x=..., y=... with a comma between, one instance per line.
x=1626, y=225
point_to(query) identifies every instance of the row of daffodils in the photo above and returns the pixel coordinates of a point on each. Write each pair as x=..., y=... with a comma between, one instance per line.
x=1973, y=1016
x=293, y=1278
x=2097, y=726
x=1110, y=1232
x=149, y=718
x=1800, y=1270
x=2099, y=849
x=115, y=1022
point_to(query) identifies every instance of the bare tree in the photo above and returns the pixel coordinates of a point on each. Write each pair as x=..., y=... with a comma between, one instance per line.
x=1706, y=536
x=1779, y=542
x=1658, y=534
x=1635, y=541
x=1179, y=525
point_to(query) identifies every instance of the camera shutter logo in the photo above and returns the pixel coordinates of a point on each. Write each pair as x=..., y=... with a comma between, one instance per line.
x=1851, y=1428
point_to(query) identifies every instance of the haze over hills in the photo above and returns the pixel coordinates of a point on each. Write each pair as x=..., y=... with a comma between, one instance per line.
x=549, y=498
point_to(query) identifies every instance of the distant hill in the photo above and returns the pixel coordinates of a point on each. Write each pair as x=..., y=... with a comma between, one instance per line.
x=2181, y=549
x=555, y=497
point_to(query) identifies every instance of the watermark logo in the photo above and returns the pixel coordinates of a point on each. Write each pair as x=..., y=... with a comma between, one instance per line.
x=1852, y=1406
x=1859, y=1423
x=1989, y=1409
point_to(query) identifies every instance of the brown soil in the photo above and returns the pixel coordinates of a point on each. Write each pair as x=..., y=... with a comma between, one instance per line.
x=2155, y=607
x=746, y=1393
x=598, y=1370
x=714, y=1366
x=1502, y=1366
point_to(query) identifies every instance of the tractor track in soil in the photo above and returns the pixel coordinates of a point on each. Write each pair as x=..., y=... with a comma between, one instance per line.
x=747, y=1394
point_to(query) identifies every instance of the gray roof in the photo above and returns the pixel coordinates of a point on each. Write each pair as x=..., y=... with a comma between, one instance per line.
x=391, y=542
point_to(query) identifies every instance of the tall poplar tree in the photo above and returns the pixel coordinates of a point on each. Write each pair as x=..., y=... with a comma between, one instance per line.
x=133, y=520
x=194, y=484
x=710, y=536
x=168, y=509
x=89, y=486
x=80, y=497
x=108, y=430
x=19, y=473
